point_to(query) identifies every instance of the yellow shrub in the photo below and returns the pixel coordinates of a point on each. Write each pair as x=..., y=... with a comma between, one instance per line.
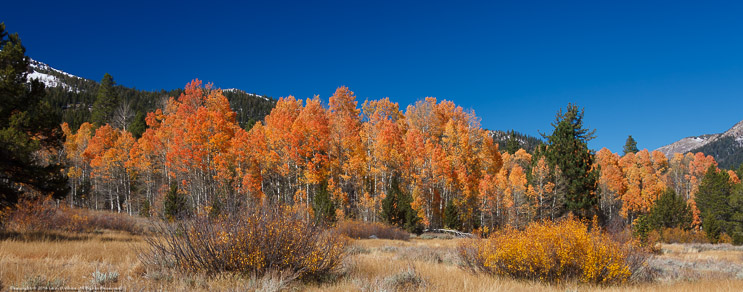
x=725, y=238
x=678, y=235
x=554, y=252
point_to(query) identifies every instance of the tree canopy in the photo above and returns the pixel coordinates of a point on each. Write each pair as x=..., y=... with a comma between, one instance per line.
x=28, y=135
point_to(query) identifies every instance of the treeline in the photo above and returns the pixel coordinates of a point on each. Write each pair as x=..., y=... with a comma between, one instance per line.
x=73, y=101
x=429, y=165
x=727, y=151
x=643, y=187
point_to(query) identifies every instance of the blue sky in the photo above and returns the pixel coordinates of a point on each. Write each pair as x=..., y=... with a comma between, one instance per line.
x=656, y=70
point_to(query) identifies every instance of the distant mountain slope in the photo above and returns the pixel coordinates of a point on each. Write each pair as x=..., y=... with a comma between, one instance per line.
x=528, y=143
x=73, y=97
x=726, y=148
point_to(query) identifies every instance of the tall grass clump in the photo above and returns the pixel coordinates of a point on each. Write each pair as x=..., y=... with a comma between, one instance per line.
x=363, y=230
x=554, y=252
x=251, y=243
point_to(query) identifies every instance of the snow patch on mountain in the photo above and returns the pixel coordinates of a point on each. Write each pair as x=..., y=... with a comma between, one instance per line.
x=48, y=80
x=243, y=91
x=40, y=71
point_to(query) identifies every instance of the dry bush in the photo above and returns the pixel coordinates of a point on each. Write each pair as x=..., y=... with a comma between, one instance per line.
x=554, y=252
x=251, y=243
x=725, y=238
x=679, y=235
x=45, y=215
x=364, y=230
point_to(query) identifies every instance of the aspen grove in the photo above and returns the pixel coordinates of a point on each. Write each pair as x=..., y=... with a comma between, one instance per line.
x=436, y=151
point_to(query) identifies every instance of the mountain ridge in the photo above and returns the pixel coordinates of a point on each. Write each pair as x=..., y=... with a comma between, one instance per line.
x=73, y=96
x=725, y=147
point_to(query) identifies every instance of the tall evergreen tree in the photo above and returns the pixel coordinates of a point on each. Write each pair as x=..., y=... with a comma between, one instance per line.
x=670, y=211
x=105, y=101
x=630, y=146
x=396, y=209
x=323, y=205
x=27, y=125
x=736, y=216
x=512, y=145
x=451, y=216
x=139, y=125
x=175, y=205
x=567, y=149
x=713, y=201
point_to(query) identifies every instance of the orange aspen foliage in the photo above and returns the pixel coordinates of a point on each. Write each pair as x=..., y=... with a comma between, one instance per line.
x=734, y=179
x=345, y=152
x=611, y=181
x=644, y=183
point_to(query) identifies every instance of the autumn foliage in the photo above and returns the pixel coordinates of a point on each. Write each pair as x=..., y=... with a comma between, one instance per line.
x=354, y=153
x=554, y=252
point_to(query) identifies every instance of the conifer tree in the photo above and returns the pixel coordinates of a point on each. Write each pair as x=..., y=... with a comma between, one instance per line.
x=630, y=146
x=105, y=101
x=670, y=211
x=713, y=201
x=27, y=125
x=451, y=217
x=323, y=205
x=396, y=209
x=175, y=205
x=512, y=144
x=567, y=149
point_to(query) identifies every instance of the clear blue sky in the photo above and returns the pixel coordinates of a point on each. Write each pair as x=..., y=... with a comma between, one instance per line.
x=658, y=71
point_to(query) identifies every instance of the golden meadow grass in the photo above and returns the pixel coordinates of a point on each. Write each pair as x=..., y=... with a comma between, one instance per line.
x=376, y=264
x=36, y=256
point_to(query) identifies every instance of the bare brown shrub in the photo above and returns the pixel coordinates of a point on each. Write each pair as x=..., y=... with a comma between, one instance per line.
x=46, y=215
x=365, y=230
x=252, y=243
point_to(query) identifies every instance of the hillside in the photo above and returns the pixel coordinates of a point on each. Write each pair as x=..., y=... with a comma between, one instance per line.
x=726, y=147
x=528, y=143
x=73, y=97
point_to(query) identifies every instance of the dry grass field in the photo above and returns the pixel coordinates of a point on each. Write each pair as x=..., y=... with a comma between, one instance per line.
x=70, y=260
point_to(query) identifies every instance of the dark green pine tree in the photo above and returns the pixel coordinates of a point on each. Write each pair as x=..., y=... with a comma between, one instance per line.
x=396, y=209
x=670, y=211
x=451, y=217
x=175, y=205
x=713, y=201
x=512, y=145
x=630, y=146
x=105, y=102
x=138, y=126
x=323, y=205
x=736, y=214
x=27, y=124
x=567, y=149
